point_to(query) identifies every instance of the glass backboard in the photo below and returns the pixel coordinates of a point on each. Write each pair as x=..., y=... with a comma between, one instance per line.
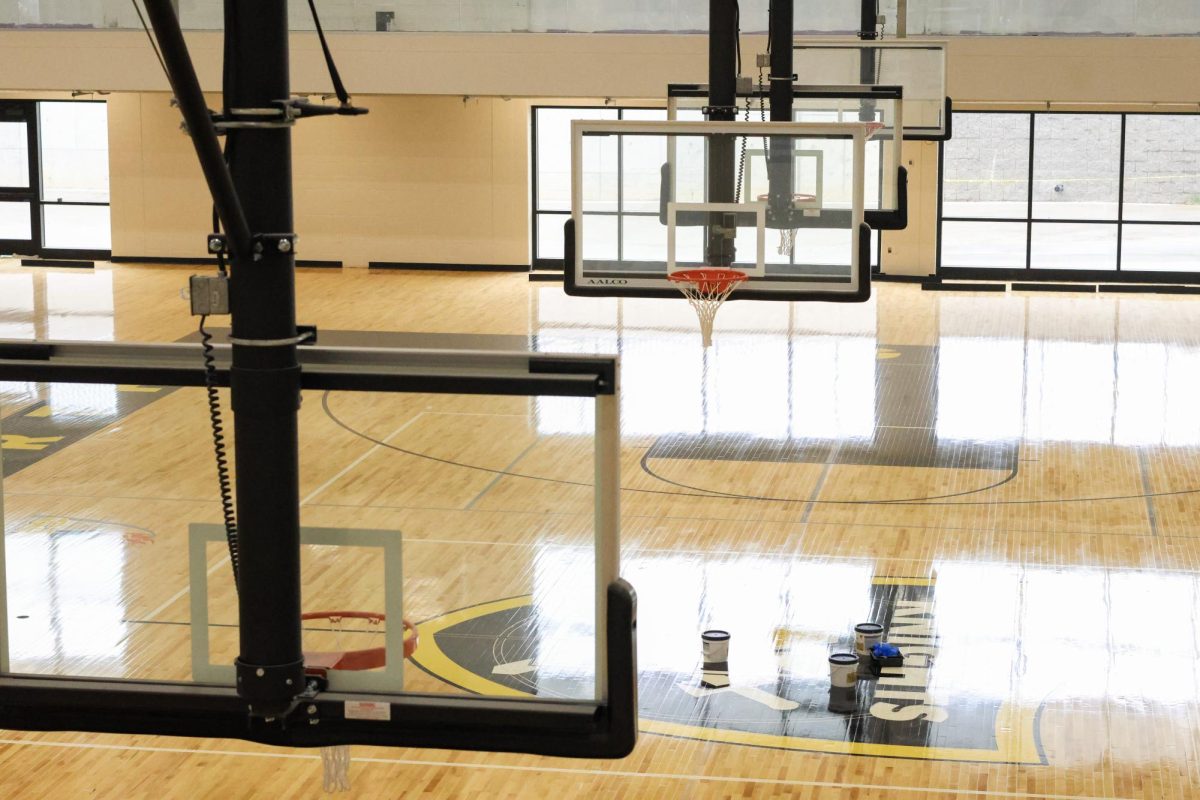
x=782, y=202
x=918, y=66
x=883, y=104
x=125, y=611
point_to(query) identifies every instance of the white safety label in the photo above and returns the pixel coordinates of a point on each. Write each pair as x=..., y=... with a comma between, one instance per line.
x=359, y=709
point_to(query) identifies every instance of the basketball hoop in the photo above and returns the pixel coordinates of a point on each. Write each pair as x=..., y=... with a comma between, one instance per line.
x=706, y=289
x=787, y=236
x=336, y=760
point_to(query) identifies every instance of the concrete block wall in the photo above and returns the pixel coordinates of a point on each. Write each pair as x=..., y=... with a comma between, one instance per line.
x=989, y=159
x=1077, y=158
x=1162, y=160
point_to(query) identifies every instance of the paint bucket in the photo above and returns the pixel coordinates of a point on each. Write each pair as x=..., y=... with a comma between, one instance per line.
x=843, y=701
x=866, y=636
x=715, y=646
x=843, y=670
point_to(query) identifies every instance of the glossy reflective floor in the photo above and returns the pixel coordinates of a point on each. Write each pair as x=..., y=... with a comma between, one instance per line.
x=1007, y=482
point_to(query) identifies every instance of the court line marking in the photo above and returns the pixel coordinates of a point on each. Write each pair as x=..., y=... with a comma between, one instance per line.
x=179, y=595
x=816, y=492
x=1151, y=511
x=756, y=520
x=359, y=460
x=225, y=559
x=831, y=558
x=701, y=493
x=474, y=413
x=988, y=531
x=471, y=505
x=869, y=559
x=615, y=773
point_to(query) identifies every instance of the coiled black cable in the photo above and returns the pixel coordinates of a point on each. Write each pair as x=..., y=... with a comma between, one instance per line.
x=762, y=112
x=220, y=452
x=737, y=194
x=218, y=438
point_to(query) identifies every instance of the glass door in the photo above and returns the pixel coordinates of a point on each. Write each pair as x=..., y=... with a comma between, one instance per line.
x=73, y=150
x=20, y=231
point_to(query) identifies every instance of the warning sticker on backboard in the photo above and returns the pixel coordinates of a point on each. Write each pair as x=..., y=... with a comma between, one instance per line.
x=359, y=709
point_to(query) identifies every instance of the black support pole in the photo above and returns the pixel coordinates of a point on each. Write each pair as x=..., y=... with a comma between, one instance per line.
x=868, y=31
x=722, y=59
x=265, y=375
x=780, y=159
x=868, y=26
x=868, y=71
x=722, y=102
x=782, y=25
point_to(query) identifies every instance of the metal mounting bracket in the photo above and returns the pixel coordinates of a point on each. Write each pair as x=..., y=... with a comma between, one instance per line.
x=278, y=242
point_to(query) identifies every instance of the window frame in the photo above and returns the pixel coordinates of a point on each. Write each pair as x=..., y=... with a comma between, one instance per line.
x=1029, y=272
x=536, y=261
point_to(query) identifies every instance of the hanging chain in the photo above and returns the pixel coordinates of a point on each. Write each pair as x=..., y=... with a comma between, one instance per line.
x=762, y=112
x=737, y=196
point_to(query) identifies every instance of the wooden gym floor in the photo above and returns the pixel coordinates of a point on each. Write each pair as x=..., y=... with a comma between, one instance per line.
x=1008, y=481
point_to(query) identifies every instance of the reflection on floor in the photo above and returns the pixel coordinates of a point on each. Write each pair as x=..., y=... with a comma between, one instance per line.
x=1007, y=483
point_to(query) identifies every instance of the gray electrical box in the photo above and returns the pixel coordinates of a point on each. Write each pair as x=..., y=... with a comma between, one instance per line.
x=210, y=294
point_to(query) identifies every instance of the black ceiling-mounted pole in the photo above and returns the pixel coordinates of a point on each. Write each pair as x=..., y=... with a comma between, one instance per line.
x=722, y=59
x=868, y=27
x=722, y=106
x=780, y=159
x=781, y=27
x=868, y=30
x=253, y=197
x=265, y=375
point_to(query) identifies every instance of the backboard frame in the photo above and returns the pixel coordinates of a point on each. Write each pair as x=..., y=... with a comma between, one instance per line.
x=890, y=216
x=941, y=132
x=604, y=727
x=856, y=287
x=760, y=215
x=389, y=678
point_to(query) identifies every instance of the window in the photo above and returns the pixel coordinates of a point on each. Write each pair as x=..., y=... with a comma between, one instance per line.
x=1099, y=192
x=1161, y=193
x=625, y=210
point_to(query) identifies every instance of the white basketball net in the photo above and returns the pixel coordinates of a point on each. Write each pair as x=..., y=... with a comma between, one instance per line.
x=336, y=761
x=787, y=236
x=787, y=241
x=706, y=290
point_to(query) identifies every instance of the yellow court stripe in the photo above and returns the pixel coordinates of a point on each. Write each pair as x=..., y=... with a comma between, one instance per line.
x=40, y=411
x=1014, y=740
